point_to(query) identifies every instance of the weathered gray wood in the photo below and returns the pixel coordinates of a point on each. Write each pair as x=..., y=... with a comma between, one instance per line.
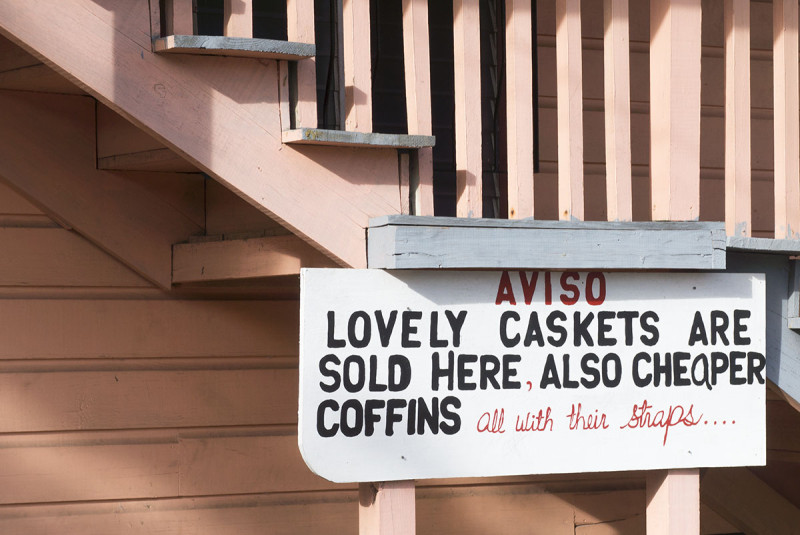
x=318, y=136
x=793, y=304
x=427, y=221
x=398, y=242
x=783, y=344
x=215, y=45
x=764, y=245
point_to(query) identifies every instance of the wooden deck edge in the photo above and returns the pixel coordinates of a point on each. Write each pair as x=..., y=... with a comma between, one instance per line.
x=398, y=242
x=318, y=136
x=213, y=45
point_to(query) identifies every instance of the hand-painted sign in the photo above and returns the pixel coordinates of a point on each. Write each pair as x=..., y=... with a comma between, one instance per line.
x=409, y=375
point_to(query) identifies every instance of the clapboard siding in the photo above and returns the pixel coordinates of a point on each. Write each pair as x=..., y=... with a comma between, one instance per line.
x=77, y=329
x=232, y=393
x=510, y=510
x=58, y=257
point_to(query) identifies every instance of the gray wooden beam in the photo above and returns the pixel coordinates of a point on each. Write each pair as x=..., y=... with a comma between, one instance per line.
x=319, y=136
x=215, y=45
x=410, y=242
x=783, y=344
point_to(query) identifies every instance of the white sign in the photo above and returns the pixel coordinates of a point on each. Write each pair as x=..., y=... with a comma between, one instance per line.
x=426, y=374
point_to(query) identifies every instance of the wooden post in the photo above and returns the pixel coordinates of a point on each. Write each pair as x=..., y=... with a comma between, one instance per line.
x=238, y=18
x=386, y=508
x=467, y=71
x=418, y=97
x=675, y=109
x=569, y=93
x=786, y=111
x=357, y=65
x=519, y=106
x=179, y=17
x=300, y=28
x=616, y=49
x=737, y=118
x=673, y=502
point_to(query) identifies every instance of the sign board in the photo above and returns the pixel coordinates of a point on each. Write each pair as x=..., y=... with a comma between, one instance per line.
x=426, y=374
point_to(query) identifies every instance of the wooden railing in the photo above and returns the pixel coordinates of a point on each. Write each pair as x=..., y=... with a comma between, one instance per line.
x=674, y=106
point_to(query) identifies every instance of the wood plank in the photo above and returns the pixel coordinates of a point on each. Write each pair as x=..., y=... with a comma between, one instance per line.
x=58, y=257
x=238, y=144
x=357, y=65
x=673, y=502
x=241, y=47
x=570, y=110
x=617, y=78
x=300, y=28
x=737, y=118
x=416, y=60
x=341, y=138
x=40, y=78
x=179, y=17
x=675, y=28
x=238, y=18
x=467, y=72
x=519, y=107
x=13, y=57
x=748, y=503
x=147, y=393
x=116, y=135
x=163, y=160
x=228, y=215
x=52, y=161
x=186, y=192
x=241, y=259
x=217, y=465
x=542, y=245
x=87, y=329
x=325, y=512
x=787, y=130
x=77, y=467
x=322, y=513
x=12, y=203
x=386, y=508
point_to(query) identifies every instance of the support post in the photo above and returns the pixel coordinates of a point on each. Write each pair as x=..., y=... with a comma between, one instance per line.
x=386, y=508
x=673, y=502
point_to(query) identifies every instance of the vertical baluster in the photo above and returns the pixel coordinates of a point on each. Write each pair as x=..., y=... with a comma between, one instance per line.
x=300, y=28
x=467, y=65
x=569, y=92
x=238, y=21
x=737, y=117
x=787, y=110
x=675, y=109
x=418, y=97
x=179, y=17
x=673, y=502
x=519, y=107
x=616, y=50
x=357, y=65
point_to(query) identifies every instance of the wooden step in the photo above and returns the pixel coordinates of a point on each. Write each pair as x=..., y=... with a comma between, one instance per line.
x=213, y=45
